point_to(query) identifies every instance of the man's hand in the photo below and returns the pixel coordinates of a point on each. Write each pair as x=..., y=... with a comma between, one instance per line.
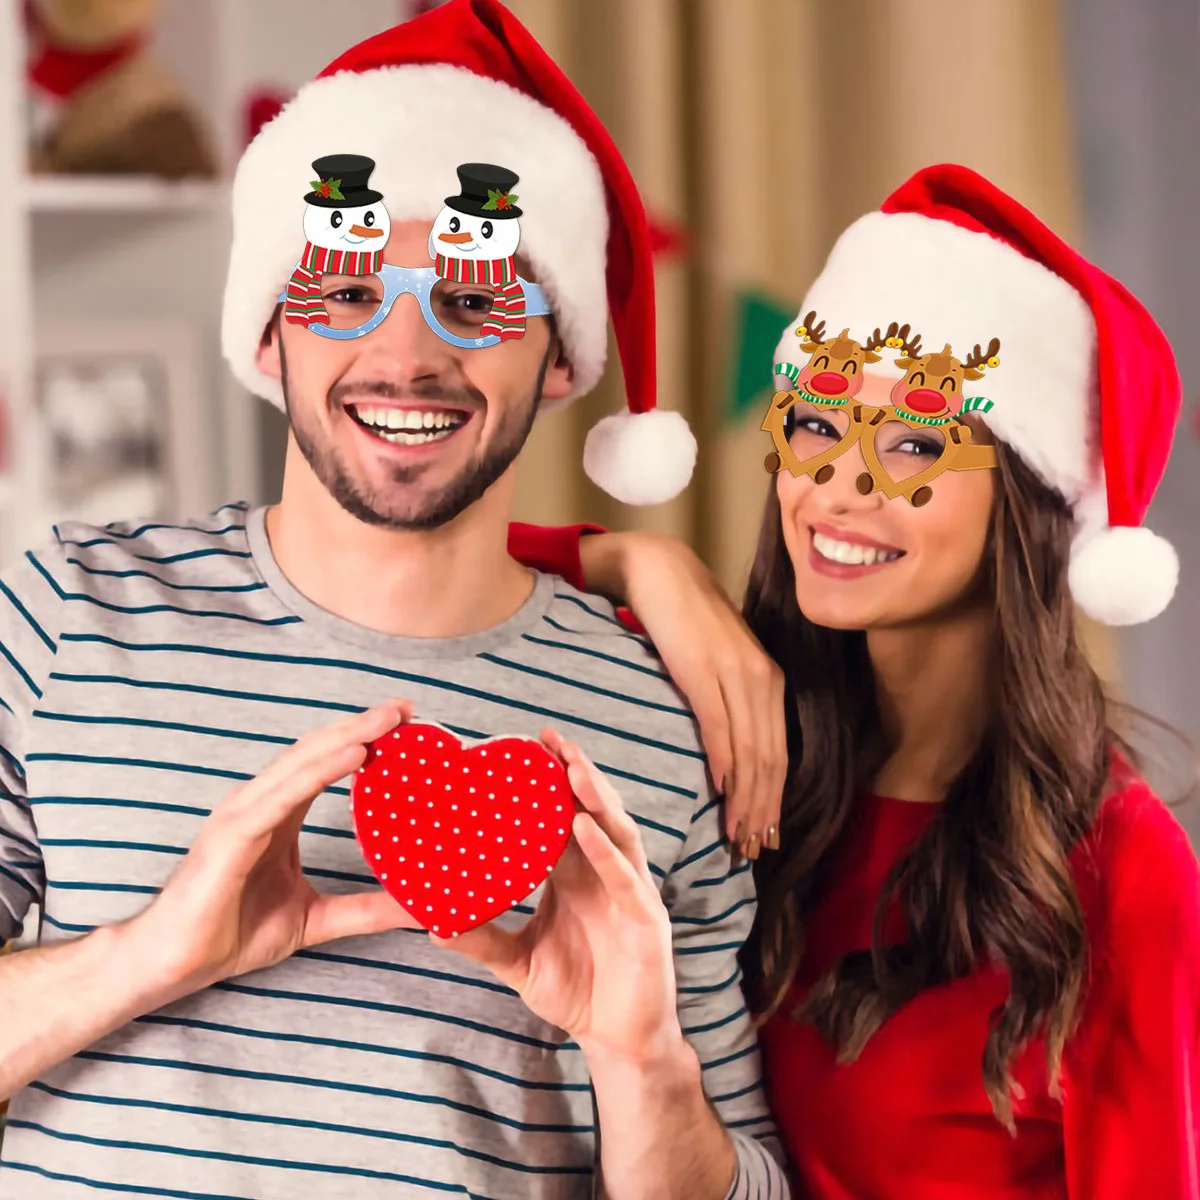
x=595, y=959
x=734, y=687
x=239, y=901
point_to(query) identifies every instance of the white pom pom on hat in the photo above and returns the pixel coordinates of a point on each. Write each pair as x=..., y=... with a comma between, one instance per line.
x=1088, y=392
x=467, y=82
x=640, y=458
x=1123, y=575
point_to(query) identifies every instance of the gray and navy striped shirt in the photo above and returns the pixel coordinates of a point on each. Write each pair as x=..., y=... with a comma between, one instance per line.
x=145, y=671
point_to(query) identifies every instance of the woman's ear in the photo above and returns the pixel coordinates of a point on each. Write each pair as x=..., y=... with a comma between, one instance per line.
x=267, y=359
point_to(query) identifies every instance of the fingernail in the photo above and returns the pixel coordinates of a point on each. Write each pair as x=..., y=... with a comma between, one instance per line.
x=771, y=841
x=727, y=783
x=752, y=847
x=740, y=832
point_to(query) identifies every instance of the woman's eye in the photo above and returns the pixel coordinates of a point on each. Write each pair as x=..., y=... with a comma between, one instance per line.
x=920, y=446
x=818, y=427
x=336, y=220
x=455, y=224
x=350, y=295
x=486, y=229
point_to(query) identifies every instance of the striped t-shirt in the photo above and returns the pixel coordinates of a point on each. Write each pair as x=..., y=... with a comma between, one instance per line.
x=144, y=672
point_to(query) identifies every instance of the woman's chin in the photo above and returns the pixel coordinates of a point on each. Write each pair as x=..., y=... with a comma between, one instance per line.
x=826, y=613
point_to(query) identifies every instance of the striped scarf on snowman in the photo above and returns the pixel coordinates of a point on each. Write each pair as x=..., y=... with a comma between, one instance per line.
x=304, y=305
x=507, y=318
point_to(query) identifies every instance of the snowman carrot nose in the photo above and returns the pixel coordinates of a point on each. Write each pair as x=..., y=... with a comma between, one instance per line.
x=457, y=238
x=365, y=231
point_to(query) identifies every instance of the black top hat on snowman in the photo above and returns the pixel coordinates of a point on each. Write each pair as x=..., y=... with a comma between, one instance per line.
x=342, y=181
x=486, y=191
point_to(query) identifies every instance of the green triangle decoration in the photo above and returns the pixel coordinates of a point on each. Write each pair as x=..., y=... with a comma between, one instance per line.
x=759, y=322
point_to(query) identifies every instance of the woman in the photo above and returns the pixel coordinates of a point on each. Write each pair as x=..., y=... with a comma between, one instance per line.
x=977, y=953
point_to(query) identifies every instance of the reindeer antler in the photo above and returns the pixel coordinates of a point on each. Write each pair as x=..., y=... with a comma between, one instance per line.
x=979, y=358
x=910, y=346
x=814, y=332
x=877, y=340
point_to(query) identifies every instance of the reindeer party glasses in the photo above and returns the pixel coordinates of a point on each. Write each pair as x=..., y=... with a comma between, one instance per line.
x=906, y=444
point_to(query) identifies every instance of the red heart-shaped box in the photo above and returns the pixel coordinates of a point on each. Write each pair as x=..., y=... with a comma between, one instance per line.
x=458, y=834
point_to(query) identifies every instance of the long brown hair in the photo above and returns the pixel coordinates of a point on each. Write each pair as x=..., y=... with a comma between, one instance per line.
x=989, y=879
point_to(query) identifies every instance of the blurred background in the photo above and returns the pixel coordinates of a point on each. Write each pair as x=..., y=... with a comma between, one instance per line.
x=757, y=129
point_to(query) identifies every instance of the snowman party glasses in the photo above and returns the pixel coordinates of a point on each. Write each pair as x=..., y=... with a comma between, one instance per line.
x=472, y=297
x=358, y=304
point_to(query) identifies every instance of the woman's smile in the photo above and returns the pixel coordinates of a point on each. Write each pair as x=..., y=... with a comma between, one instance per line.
x=843, y=554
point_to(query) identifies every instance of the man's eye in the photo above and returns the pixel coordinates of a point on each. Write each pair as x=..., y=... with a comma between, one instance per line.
x=472, y=301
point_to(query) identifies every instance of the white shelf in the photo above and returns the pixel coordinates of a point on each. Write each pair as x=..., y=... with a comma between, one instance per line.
x=100, y=193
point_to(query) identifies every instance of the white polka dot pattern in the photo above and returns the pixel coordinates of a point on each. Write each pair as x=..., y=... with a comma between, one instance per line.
x=416, y=832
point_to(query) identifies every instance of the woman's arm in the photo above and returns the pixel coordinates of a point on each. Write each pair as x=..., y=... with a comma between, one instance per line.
x=1132, y=1105
x=732, y=685
x=554, y=550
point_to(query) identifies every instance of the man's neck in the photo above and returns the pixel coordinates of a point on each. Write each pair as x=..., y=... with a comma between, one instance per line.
x=440, y=583
x=931, y=684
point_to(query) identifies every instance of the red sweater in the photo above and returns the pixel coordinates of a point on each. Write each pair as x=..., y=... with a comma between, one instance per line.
x=909, y=1120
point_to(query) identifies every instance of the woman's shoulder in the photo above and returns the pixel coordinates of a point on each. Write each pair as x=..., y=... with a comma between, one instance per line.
x=1138, y=863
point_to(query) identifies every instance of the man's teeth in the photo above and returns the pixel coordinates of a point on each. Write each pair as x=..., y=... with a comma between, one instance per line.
x=409, y=427
x=851, y=552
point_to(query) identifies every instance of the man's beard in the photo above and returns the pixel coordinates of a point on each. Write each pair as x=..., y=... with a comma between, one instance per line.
x=455, y=497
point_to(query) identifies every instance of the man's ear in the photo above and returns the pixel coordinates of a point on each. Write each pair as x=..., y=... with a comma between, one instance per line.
x=267, y=359
x=560, y=374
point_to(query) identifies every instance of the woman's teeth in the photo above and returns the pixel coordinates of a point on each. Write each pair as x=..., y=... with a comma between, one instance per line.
x=852, y=552
x=408, y=427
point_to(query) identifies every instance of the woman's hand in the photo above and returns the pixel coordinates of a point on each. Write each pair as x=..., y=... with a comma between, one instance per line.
x=595, y=959
x=734, y=687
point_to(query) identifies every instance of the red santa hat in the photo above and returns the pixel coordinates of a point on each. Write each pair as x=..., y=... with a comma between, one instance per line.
x=466, y=82
x=1088, y=392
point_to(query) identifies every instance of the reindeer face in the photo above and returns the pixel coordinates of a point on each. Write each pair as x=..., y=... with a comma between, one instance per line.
x=932, y=386
x=834, y=370
x=933, y=383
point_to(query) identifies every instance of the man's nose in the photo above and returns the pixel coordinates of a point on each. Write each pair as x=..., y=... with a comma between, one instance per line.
x=405, y=336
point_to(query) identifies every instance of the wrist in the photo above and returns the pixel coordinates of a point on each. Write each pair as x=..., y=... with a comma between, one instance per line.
x=604, y=560
x=149, y=950
x=668, y=1064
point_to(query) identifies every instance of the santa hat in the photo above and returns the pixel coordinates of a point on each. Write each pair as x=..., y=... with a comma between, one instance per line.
x=1088, y=392
x=466, y=82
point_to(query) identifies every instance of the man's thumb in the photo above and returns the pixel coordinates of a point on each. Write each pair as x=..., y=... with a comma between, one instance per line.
x=503, y=952
x=333, y=917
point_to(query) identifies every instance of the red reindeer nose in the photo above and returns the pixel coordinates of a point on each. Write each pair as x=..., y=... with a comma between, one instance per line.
x=924, y=400
x=829, y=383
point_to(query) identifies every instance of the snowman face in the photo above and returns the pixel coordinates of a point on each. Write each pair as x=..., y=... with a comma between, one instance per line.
x=459, y=235
x=350, y=227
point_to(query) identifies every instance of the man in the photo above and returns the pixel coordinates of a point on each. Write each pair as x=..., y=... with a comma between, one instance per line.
x=223, y=1004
